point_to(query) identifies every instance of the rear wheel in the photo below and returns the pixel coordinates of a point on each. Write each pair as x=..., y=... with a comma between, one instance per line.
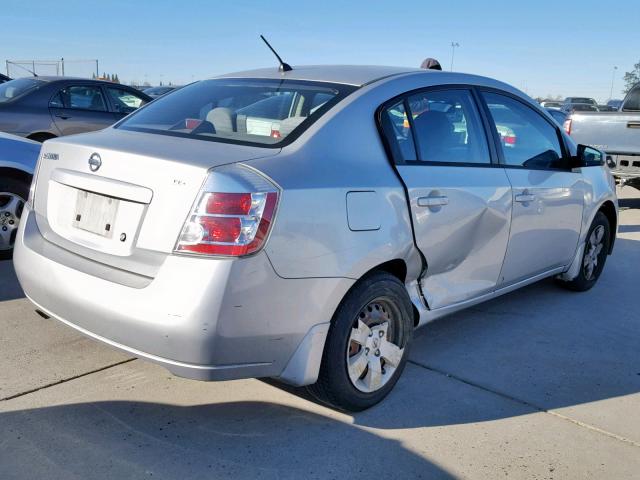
x=13, y=195
x=594, y=256
x=367, y=345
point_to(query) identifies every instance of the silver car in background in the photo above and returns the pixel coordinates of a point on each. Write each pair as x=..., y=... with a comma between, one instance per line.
x=18, y=157
x=301, y=224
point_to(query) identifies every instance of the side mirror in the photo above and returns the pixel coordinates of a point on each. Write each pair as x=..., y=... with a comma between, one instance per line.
x=588, y=157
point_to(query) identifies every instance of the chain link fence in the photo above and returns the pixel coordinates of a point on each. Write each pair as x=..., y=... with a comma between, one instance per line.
x=62, y=67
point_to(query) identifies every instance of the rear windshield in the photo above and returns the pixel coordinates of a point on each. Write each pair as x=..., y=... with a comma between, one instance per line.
x=14, y=88
x=590, y=101
x=246, y=111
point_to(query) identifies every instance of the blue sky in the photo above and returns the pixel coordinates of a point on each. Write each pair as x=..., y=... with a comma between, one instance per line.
x=542, y=47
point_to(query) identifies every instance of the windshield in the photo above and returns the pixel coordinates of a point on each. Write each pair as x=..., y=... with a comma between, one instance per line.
x=247, y=111
x=14, y=88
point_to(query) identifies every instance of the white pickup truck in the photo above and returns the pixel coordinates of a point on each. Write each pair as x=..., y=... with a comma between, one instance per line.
x=615, y=133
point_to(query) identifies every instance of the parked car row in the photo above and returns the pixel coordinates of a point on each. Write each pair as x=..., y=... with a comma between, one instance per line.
x=301, y=223
x=580, y=104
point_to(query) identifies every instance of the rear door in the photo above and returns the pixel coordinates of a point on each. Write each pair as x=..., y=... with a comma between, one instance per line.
x=547, y=194
x=460, y=198
x=80, y=108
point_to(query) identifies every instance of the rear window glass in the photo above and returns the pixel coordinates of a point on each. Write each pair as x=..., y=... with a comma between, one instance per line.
x=245, y=111
x=15, y=88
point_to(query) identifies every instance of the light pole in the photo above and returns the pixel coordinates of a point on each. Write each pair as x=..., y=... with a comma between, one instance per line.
x=453, y=52
x=613, y=77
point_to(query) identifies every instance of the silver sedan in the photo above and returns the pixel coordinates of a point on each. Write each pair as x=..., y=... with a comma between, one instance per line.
x=18, y=157
x=301, y=224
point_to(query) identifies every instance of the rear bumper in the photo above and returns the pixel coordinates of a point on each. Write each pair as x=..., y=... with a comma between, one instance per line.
x=206, y=319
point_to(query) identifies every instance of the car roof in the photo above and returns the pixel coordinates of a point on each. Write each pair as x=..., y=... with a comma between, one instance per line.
x=357, y=75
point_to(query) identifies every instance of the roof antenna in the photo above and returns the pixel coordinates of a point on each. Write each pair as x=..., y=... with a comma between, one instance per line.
x=25, y=68
x=284, y=67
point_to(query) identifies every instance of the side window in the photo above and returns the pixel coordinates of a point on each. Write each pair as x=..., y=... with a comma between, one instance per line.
x=448, y=127
x=85, y=98
x=123, y=100
x=527, y=138
x=395, y=128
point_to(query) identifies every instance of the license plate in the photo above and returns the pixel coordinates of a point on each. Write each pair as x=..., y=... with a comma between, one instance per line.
x=95, y=213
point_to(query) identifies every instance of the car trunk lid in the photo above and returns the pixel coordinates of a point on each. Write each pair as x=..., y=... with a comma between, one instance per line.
x=121, y=198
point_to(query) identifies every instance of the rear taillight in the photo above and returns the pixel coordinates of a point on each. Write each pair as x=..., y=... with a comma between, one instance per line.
x=509, y=139
x=567, y=126
x=232, y=215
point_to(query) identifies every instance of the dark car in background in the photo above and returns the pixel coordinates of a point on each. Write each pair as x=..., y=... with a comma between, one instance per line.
x=580, y=100
x=558, y=116
x=569, y=108
x=40, y=108
x=615, y=103
x=155, y=92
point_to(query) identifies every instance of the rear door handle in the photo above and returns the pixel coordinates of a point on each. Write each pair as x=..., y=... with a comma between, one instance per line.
x=525, y=198
x=633, y=125
x=435, y=201
x=63, y=116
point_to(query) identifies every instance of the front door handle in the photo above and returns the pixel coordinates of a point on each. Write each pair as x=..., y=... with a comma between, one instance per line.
x=435, y=201
x=525, y=198
x=633, y=125
x=63, y=116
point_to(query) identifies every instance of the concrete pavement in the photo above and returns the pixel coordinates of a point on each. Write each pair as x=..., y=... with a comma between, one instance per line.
x=541, y=383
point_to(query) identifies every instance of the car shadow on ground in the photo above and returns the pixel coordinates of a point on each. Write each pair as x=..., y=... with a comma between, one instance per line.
x=629, y=203
x=240, y=440
x=9, y=287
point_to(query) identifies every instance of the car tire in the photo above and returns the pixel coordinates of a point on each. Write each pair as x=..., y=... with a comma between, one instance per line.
x=595, y=253
x=13, y=195
x=361, y=364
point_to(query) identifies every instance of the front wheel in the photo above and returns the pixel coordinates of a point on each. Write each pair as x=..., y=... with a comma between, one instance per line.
x=12, y=199
x=367, y=345
x=594, y=256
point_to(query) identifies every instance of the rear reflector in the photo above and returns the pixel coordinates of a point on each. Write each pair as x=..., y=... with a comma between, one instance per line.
x=231, y=223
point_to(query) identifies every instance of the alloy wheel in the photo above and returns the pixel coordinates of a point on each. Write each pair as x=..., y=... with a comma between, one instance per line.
x=592, y=254
x=11, y=206
x=373, y=354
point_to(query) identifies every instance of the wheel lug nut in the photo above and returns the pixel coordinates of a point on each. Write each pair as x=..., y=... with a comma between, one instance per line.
x=6, y=214
x=381, y=333
x=4, y=229
x=366, y=351
x=10, y=222
x=377, y=353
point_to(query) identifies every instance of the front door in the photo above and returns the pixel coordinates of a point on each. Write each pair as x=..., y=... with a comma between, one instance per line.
x=460, y=200
x=547, y=195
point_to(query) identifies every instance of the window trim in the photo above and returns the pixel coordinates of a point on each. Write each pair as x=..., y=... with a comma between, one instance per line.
x=403, y=98
x=566, y=156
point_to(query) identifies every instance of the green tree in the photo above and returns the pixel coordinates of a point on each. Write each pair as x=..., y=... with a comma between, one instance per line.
x=631, y=78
